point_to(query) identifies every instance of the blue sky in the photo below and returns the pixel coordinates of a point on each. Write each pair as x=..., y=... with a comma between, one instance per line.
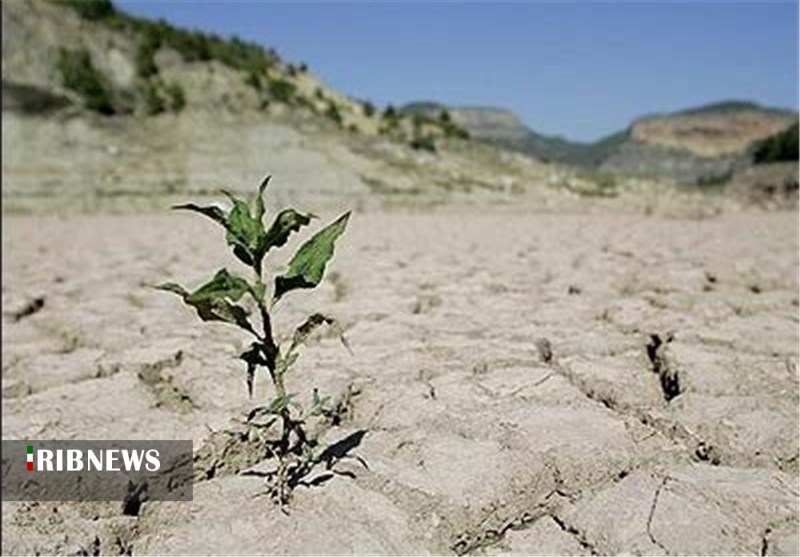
x=577, y=69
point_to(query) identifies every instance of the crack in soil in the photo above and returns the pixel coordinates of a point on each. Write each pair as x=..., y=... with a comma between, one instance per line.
x=652, y=514
x=579, y=536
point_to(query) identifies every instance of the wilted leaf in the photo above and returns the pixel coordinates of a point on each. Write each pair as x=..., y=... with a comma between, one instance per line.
x=253, y=358
x=304, y=331
x=307, y=267
x=285, y=223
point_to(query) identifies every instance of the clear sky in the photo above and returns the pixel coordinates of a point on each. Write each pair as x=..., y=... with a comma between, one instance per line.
x=577, y=69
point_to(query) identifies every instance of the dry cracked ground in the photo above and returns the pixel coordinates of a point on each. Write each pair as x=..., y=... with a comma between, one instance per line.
x=532, y=384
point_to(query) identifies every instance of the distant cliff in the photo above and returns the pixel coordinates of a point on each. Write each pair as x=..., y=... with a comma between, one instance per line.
x=700, y=145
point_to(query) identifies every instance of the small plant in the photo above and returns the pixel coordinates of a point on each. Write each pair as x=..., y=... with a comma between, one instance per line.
x=223, y=299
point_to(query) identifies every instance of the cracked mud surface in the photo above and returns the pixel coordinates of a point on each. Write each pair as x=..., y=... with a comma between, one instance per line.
x=531, y=384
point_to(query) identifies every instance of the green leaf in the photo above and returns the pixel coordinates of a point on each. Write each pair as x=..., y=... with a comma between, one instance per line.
x=174, y=288
x=285, y=223
x=307, y=267
x=258, y=206
x=214, y=213
x=245, y=233
x=213, y=300
x=223, y=285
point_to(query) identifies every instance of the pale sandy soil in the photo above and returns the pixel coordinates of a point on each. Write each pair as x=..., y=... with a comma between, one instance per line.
x=474, y=442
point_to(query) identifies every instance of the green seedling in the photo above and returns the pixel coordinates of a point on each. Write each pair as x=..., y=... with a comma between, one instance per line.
x=225, y=298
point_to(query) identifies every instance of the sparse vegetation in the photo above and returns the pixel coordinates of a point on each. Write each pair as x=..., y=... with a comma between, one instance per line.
x=714, y=180
x=224, y=298
x=90, y=9
x=79, y=75
x=593, y=183
x=192, y=45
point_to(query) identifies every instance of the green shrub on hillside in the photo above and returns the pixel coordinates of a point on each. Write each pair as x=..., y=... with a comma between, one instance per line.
x=333, y=113
x=153, y=101
x=423, y=143
x=782, y=146
x=368, y=108
x=79, y=75
x=282, y=90
x=176, y=96
x=390, y=113
x=253, y=80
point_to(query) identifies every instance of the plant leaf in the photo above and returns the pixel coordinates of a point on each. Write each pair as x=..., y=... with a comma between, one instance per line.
x=213, y=212
x=307, y=266
x=213, y=300
x=258, y=206
x=174, y=288
x=253, y=358
x=304, y=331
x=285, y=223
x=223, y=285
x=245, y=233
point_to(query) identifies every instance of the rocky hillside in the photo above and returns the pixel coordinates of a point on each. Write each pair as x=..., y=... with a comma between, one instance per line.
x=88, y=53
x=704, y=145
x=98, y=104
x=697, y=146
